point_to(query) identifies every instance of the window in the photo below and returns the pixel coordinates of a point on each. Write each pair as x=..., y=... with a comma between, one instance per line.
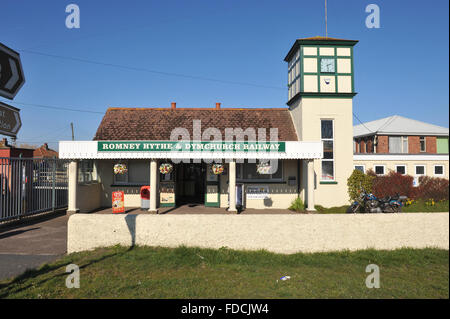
x=398, y=144
x=293, y=75
x=401, y=169
x=247, y=172
x=327, y=137
x=420, y=170
x=361, y=168
x=138, y=173
x=379, y=169
x=439, y=170
x=423, y=145
x=86, y=171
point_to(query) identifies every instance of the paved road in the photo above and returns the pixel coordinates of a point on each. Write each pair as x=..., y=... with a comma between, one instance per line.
x=29, y=245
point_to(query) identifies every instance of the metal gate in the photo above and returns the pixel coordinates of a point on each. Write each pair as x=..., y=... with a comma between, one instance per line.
x=30, y=186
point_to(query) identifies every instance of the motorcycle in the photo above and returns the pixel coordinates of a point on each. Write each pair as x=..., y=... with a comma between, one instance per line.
x=369, y=203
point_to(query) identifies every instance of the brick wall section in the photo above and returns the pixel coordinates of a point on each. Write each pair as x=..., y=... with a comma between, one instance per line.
x=383, y=144
x=431, y=144
x=369, y=146
x=362, y=146
x=413, y=144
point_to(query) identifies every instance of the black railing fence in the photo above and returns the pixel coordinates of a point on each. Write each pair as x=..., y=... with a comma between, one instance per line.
x=30, y=186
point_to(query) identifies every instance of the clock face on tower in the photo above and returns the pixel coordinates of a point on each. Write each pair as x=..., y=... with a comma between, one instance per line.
x=327, y=66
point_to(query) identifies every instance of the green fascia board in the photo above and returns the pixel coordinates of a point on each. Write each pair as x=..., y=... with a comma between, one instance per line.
x=298, y=43
x=328, y=182
x=320, y=96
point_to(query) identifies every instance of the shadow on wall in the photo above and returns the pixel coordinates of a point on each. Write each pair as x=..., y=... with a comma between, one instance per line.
x=268, y=202
x=131, y=224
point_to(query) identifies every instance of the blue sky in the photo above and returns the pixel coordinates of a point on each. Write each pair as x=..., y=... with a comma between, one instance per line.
x=401, y=68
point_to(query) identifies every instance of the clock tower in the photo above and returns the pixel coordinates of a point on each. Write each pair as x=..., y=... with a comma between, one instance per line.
x=320, y=97
x=320, y=66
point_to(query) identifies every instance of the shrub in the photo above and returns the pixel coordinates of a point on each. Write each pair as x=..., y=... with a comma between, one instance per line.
x=393, y=183
x=297, y=205
x=432, y=188
x=356, y=181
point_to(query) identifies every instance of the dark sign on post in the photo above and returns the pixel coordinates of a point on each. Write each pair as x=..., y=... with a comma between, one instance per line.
x=11, y=73
x=9, y=120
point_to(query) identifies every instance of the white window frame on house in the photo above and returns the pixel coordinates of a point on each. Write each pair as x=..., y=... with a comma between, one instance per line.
x=379, y=165
x=424, y=170
x=402, y=165
x=424, y=139
x=403, y=139
x=269, y=177
x=434, y=170
x=363, y=167
x=328, y=160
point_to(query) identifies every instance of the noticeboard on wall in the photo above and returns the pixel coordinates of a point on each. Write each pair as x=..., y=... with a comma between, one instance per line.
x=257, y=192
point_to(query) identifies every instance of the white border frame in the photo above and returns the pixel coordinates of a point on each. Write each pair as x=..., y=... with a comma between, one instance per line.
x=405, y=166
x=384, y=169
x=363, y=166
x=424, y=170
x=443, y=170
x=334, y=150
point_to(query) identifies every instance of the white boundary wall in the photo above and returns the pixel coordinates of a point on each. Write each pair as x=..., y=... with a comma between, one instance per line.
x=277, y=233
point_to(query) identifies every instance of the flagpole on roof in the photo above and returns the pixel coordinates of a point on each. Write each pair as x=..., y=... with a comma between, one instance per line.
x=326, y=22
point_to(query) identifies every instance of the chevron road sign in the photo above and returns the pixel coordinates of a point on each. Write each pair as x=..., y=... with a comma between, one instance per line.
x=9, y=120
x=11, y=73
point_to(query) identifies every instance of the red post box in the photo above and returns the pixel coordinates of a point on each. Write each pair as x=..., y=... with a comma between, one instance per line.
x=145, y=197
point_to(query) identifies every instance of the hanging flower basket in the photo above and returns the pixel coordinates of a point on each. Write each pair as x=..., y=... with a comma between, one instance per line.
x=120, y=169
x=165, y=168
x=217, y=169
x=263, y=168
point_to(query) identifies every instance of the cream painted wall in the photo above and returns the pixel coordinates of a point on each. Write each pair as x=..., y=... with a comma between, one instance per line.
x=344, y=65
x=343, y=51
x=105, y=175
x=310, y=65
x=281, y=195
x=310, y=83
x=344, y=84
x=309, y=50
x=89, y=197
x=410, y=166
x=327, y=84
x=307, y=114
x=326, y=51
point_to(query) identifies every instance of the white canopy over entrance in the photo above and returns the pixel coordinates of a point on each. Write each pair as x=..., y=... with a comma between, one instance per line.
x=167, y=149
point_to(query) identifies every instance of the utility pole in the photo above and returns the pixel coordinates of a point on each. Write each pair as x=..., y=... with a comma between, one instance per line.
x=73, y=136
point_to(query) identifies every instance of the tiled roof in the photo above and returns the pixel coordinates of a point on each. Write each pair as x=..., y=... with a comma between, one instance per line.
x=398, y=125
x=320, y=38
x=158, y=123
x=317, y=40
x=44, y=152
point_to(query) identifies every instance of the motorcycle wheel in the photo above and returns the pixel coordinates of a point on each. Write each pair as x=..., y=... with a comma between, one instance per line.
x=396, y=209
x=352, y=209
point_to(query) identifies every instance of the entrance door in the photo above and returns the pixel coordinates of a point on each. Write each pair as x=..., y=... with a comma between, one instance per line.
x=190, y=183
